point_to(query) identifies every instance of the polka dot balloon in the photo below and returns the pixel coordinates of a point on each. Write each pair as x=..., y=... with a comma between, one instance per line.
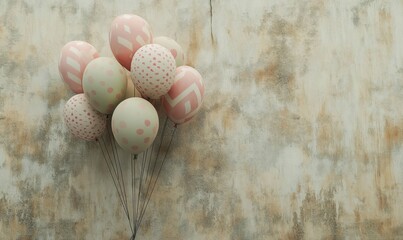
x=153, y=70
x=104, y=84
x=135, y=124
x=82, y=120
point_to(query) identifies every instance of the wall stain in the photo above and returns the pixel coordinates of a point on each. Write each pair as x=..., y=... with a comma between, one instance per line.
x=277, y=69
x=378, y=229
x=358, y=11
x=329, y=137
x=195, y=43
x=66, y=9
x=318, y=215
x=21, y=141
x=278, y=75
x=386, y=29
x=385, y=180
x=64, y=229
x=93, y=17
x=290, y=128
x=76, y=199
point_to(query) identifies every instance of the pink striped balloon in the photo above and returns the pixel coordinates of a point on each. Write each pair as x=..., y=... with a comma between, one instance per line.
x=128, y=33
x=74, y=58
x=185, y=97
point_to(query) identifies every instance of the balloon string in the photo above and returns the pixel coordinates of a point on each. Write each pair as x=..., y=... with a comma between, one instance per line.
x=158, y=174
x=110, y=158
x=116, y=182
x=118, y=171
x=111, y=166
x=152, y=147
x=145, y=169
x=104, y=141
x=155, y=162
x=115, y=151
x=140, y=182
x=145, y=179
x=133, y=170
x=143, y=197
x=152, y=150
x=105, y=153
x=119, y=167
x=149, y=162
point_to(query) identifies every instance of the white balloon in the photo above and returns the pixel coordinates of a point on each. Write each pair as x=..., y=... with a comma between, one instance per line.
x=135, y=124
x=104, y=83
x=153, y=70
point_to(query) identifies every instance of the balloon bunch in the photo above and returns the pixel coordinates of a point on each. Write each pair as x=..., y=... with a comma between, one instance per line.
x=116, y=99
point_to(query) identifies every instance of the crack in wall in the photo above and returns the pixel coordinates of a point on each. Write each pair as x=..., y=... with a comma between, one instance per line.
x=211, y=22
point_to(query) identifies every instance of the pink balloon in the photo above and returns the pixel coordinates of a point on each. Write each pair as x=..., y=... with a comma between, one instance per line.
x=128, y=33
x=185, y=97
x=82, y=120
x=74, y=58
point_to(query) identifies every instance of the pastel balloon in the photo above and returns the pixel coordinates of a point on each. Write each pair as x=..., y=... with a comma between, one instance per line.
x=153, y=70
x=175, y=49
x=74, y=58
x=82, y=120
x=104, y=84
x=131, y=91
x=135, y=124
x=127, y=34
x=185, y=97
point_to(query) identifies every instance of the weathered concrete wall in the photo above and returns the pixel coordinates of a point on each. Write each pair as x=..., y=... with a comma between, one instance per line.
x=300, y=137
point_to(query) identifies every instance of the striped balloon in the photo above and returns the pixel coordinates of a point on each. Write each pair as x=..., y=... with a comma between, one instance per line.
x=127, y=34
x=74, y=58
x=185, y=97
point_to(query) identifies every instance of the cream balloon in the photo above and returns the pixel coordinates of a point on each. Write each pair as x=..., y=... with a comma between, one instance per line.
x=174, y=47
x=135, y=124
x=153, y=70
x=131, y=91
x=104, y=83
x=82, y=120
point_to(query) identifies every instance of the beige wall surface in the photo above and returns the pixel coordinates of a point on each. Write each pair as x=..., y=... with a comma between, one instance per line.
x=300, y=135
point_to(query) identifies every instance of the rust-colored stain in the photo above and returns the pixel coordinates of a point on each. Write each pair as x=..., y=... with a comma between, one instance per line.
x=300, y=135
x=194, y=43
x=318, y=217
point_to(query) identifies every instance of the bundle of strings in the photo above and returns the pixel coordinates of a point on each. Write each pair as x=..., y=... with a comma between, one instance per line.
x=135, y=191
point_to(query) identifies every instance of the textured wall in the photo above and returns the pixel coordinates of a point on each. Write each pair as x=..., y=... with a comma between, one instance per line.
x=300, y=137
